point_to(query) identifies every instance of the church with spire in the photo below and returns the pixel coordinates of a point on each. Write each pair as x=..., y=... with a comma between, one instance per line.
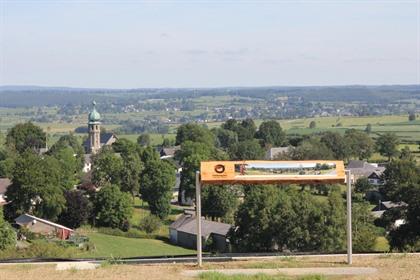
x=97, y=139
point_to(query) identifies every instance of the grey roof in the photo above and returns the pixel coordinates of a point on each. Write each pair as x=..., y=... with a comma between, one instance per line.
x=170, y=151
x=390, y=204
x=355, y=164
x=187, y=224
x=276, y=151
x=105, y=137
x=378, y=214
x=4, y=184
x=362, y=168
x=26, y=218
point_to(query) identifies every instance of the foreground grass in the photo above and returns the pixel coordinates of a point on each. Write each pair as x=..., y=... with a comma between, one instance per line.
x=220, y=276
x=389, y=267
x=107, y=246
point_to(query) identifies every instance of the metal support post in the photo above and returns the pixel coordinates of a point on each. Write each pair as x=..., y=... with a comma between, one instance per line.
x=349, y=231
x=198, y=217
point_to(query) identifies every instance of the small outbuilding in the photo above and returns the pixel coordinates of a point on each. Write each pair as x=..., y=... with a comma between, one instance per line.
x=44, y=227
x=183, y=232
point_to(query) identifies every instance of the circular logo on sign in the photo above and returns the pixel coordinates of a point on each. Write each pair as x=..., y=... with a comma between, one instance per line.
x=219, y=168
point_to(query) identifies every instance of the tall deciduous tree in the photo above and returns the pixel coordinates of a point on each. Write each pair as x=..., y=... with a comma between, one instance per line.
x=144, y=140
x=158, y=180
x=131, y=173
x=246, y=150
x=7, y=234
x=78, y=209
x=271, y=133
x=190, y=156
x=25, y=136
x=387, y=145
x=106, y=168
x=219, y=202
x=112, y=207
x=194, y=133
x=36, y=188
x=311, y=148
x=335, y=142
x=359, y=143
x=224, y=137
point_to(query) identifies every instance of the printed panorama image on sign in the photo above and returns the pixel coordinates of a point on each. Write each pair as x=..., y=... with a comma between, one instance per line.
x=286, y=169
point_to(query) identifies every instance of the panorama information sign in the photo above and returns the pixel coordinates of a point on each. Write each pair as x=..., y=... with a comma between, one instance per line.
x=272, y=172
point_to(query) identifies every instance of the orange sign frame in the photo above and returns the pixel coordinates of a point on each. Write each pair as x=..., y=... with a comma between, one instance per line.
x=272, y=172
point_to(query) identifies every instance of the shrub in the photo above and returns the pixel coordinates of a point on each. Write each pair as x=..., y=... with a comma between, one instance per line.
x=150, y=223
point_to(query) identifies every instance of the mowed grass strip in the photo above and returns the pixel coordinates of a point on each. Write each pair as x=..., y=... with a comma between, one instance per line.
x=122, y=247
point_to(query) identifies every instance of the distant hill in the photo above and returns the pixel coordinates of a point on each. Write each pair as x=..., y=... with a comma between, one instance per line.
x=28, y=96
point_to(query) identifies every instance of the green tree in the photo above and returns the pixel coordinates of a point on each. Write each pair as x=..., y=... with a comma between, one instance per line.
x=65, y=141
x=246, y=150
x=131, y=173
x=274, y=219
x=335, y=142
x=189, y=156
x=167, y=142
x=402, y=183
x=69, y=165
x=25, y=136
x=312, y=125
x=78, y=209
x=406, y=154
x=368, y=128
x=311, y=148
x=363, y=230
x=387, y=145
x=362, y=185
x=158, y=180
x=126, y=147
x=112, y=207
x=399, y=176
x=36, y=188
x=360, y=145
x=195, y=133
x=224, y=137
x=271, y=133
x=7, y=162
x=106, y=168
x=334, y=236
x=412, y=116
x=245, y=130
x=7, y=234
x=219, y=202
x=144, y=140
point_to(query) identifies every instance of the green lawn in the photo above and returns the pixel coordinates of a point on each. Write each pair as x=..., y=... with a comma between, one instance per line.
x=115, y=246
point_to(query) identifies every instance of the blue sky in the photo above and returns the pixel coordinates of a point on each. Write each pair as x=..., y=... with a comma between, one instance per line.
x=127, y=44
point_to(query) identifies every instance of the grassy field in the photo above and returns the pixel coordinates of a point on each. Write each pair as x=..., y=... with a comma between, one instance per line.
x=107, y=246
x=409, y=132
x=388, y=266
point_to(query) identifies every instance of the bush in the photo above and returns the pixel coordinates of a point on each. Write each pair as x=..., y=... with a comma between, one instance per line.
x=7, y=234
x=150, y=223
x=131, y=233
x=41, y=249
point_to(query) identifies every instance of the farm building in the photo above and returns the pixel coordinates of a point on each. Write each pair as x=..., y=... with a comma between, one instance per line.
x=44, y=227
x=183, y=232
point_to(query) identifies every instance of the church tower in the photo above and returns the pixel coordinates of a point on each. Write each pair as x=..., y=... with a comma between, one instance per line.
x=94, y=126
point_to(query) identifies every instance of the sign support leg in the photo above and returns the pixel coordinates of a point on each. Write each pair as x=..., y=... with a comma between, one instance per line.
x=198, y=217
x=349, y=231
